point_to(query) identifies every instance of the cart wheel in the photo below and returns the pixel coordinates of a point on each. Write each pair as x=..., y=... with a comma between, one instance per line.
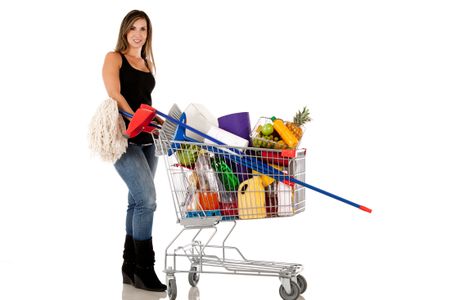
x=301, y=281
x=172, y=289
x=193, y=277
x=295, y=292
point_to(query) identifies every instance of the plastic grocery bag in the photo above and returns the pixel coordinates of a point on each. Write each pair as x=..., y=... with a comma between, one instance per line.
x=184, y=187
x=190, y=201
x=229, y=180
x=227, y=202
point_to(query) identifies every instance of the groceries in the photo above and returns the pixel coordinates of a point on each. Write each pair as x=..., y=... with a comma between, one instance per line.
x=229, y=180
x=287, y=136
x=260, y=138
x=251, y=199
x=237, y=123
x=213, y=189
x=274, y=133
x=200, y=118
x=221, y=182
x=208, y=187
x=300, y=119
x=265, y=179
x=225, y=137
x=284, y=197
x=187, y=155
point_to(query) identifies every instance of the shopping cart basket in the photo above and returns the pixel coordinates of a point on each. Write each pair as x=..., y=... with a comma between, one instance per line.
x=211, y=184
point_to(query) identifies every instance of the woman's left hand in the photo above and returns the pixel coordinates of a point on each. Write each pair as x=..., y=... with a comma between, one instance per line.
x=159, y=120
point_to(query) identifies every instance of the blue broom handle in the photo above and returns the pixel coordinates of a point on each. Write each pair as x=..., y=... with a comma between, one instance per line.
x=280, y=176
x=263, y=168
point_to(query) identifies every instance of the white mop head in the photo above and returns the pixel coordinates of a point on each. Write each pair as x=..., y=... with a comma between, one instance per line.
x=105, y=132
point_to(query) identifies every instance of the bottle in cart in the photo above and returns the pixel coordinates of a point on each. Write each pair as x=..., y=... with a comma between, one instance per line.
x=251, y=199
x=228, y=205
x=208, y=200
x=271, y=199
x=208, y=192
x=285, y=196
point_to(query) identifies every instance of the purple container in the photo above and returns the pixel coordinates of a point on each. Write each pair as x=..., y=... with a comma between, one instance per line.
x=238, y=124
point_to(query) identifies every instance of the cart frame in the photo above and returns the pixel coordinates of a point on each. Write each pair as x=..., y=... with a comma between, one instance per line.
x=198, y=253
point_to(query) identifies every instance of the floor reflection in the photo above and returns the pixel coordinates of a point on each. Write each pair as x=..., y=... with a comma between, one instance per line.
x=194, y=294
x=131, y=293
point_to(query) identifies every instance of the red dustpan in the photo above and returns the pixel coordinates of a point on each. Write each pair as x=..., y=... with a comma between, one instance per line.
x=140, y=121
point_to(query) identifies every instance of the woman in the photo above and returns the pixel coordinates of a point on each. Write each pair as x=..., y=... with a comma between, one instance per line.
x=128, y=77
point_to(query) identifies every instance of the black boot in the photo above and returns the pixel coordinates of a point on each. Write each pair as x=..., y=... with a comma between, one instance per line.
x=129, y=261
x=144, y=274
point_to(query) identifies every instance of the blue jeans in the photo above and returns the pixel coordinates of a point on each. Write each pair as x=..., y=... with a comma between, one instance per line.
x=137, y=167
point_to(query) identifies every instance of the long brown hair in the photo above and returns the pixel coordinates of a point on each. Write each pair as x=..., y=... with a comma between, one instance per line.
x=122, y=43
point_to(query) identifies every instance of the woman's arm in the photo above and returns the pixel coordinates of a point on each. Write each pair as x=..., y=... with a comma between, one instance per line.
x=110, y=72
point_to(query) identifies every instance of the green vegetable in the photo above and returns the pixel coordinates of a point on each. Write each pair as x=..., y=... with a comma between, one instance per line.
x=188, y=154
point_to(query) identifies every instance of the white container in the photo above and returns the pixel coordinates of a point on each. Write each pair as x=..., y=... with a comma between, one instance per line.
x=198, y=117
x=297, y=170
x=285, y=199
x=225, y=137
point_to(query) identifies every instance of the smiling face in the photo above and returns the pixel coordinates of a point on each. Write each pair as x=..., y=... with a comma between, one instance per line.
x=137, y=35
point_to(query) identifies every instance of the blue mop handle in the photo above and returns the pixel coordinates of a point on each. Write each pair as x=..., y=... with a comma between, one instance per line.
x=276, y=174
x=280, y=176
x=263, y=168
x=126, y=114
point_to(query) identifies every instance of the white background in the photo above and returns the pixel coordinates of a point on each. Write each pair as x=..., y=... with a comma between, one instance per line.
x=375, y=75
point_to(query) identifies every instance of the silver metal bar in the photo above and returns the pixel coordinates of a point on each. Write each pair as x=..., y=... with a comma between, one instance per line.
x=280, y=200
x=226, y=237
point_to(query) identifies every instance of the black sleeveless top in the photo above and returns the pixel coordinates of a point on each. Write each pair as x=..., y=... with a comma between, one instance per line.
x=136, y=86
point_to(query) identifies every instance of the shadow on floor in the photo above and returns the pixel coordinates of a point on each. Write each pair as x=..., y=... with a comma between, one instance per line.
x=131, y=293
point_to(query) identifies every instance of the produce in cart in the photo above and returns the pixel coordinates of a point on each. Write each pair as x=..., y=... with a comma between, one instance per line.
x=300, y=118
x=287, y=136
x=187, y=155
x=274, y=133
x=265, y=137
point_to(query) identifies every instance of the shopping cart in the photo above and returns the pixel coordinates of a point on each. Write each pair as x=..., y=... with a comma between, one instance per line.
x=214, y=184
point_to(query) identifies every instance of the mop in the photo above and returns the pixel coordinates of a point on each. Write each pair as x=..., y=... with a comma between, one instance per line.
x=105, y=132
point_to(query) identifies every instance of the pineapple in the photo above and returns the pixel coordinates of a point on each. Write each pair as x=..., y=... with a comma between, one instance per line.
x=300, y=118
